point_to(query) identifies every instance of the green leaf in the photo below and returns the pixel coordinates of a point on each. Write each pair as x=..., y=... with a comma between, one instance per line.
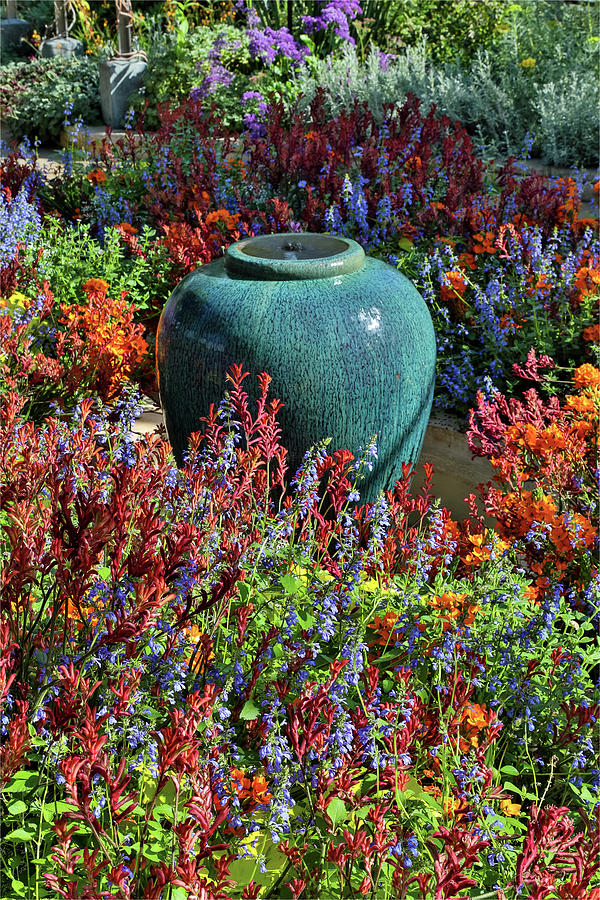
x=22, y=781
x=306, y=622
x=290, y=584
x=18, y=887
x=17, y=807
x=509, y=786
x=20, y=834
x=243, y=590
x=104, y=572
x=53, y=810
x=249, y=711
x=336, y=810
x=405, y=244
x=509, y=770
x=163, y=809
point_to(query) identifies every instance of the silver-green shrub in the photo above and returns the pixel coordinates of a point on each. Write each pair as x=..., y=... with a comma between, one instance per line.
x=567, y=113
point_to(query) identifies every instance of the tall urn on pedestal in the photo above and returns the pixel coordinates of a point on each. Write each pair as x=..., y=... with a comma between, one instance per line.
x=347, y=340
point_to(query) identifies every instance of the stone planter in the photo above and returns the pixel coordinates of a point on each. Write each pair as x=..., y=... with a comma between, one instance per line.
x=11, y=32
x=119, y=78
x=348, y=341
x=61, y=46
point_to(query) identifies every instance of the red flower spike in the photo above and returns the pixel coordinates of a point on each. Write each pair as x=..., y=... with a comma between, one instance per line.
x=296, y=886
x=14, y=749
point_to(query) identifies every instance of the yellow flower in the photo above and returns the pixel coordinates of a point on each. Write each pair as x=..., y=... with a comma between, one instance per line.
x=15, y=300
x=528, y=63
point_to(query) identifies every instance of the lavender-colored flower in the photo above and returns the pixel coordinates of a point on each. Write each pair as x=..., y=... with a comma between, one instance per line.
x=334, y=13
x=268, y=44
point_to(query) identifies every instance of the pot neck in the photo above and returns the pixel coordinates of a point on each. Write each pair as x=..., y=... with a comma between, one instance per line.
x=294, y=256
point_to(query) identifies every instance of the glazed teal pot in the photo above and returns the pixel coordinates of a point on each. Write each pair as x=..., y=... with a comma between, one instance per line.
x=347, y=340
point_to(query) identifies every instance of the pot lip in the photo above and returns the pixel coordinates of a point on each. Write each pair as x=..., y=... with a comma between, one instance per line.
x=345, y=260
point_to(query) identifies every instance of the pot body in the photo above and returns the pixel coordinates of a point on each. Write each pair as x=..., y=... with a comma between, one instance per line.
x=351, y=356
x=118, y=79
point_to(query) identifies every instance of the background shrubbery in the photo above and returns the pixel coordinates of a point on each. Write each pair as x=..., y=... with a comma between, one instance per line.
x=35, y=94
x=536, y=86
x=522, y=78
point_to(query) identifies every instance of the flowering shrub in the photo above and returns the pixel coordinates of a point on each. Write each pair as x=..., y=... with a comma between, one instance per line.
x=545, y=497
x=55, y=354
x=235, y=680
x=234, y=684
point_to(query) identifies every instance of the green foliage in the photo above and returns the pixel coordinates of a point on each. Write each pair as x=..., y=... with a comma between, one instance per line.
x=35, y=94
x=71, y=256
x=453, y=29
x=178, y=61
x=40, y=15
x=568, y=119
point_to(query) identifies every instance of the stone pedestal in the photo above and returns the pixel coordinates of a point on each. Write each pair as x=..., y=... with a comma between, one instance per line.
x=61, y=46
x=119, y=78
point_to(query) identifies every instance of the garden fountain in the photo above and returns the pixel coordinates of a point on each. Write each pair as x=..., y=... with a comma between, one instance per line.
x=347, y=339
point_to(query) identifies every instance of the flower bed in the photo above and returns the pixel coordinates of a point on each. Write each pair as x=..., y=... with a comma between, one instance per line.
x=232, y=680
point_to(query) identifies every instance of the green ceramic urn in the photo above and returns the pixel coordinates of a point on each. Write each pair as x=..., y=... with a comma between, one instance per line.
x=347, y=340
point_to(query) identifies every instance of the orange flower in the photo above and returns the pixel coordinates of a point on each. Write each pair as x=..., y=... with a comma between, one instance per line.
x=260, y=791
x=449, y=602
x=509, y=808
x=479, y=552
x=532, y=593
x=467, y=261
x=584, y=406
x=202, y=652
x=586, y=376
x=592, y=333
x=477, y=716
x=454, y=606
x=95, y=286
x=455, y=286
x=222, y=217
x=384, y=627
x=484, y=242
x=586, y=283
x=414, y=162
x=254, y=788
x=114, y=345
x=240, y=785
x=96, y=176
x=126, y=228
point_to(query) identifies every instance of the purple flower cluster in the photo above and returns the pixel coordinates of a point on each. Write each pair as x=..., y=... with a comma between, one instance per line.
x=267, y=43
x=218, y=75
x=335, y=13
x=255, y=122
x=19, y=221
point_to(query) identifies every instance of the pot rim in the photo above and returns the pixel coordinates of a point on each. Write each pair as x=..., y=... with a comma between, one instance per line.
x=339, y=256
